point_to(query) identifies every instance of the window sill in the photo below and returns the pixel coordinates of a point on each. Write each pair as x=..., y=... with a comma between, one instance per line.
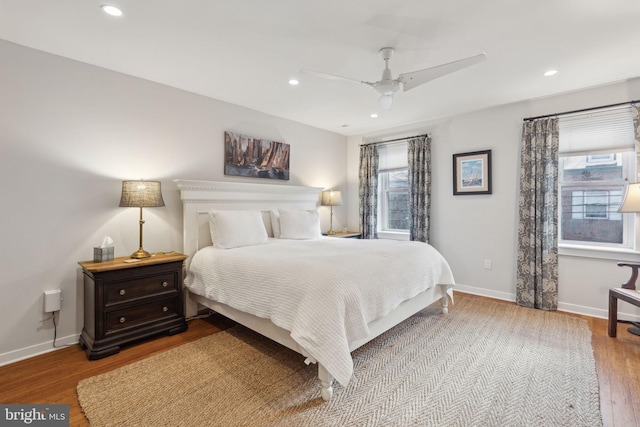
x=599, y=253
x=393, y=235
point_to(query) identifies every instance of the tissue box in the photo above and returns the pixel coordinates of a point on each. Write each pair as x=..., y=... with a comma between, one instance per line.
x=102, y=254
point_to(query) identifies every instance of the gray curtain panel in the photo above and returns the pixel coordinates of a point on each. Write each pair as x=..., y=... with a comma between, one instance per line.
x=635, y=111
x=537, y=269
x=419, y=165
x=368, y=191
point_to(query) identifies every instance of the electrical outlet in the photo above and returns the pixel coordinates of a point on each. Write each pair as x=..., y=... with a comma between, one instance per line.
x=487, y=264
x=52, y=300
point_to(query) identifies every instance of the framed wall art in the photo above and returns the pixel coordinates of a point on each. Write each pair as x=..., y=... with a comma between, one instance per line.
x=472, y=173
x=255, y=157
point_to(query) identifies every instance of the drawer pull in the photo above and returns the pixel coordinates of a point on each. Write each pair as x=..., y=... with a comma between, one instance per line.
x=165, y=309
x=123, y=319
x=122, y=292
x=165, y=284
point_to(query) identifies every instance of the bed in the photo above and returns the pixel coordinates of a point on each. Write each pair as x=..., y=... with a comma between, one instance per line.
x=322, y=297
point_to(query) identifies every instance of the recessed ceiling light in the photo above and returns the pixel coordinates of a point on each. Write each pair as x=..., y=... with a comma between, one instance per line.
x=294, y=82
x=550, y=73
x=374, y=115
x=111, y=10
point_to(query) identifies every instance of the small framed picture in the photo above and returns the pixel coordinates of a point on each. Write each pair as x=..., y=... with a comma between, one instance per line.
x=472, y=173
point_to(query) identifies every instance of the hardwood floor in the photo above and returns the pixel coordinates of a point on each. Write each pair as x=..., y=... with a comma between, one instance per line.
x=53, y=377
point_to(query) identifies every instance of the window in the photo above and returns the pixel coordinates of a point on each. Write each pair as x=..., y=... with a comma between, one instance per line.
x=393, y=188
x=590, y=196
x=597, y=159
x=393, y=200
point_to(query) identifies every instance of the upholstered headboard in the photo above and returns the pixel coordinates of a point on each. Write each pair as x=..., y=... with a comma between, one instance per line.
x=199, y=197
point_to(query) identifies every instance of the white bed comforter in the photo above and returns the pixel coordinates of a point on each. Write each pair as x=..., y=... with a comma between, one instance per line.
x=324, y=291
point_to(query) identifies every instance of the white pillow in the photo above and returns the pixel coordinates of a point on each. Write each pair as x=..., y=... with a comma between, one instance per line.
x=299, y=225
x=275, y=223
x=266, y=220
x=232, y=229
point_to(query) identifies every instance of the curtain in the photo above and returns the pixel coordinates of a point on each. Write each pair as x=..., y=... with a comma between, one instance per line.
x=419, y=168
x=635, y=112
x=368, y=191
x=537, y=269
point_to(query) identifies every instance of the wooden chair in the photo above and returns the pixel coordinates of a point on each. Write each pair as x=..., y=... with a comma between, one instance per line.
x=627, y=293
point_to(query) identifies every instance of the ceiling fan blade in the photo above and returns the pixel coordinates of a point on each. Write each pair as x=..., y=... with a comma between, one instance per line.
x=331, y=76
x=417, y=78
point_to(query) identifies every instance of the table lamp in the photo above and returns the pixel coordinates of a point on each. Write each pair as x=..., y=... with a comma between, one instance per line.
x=331, y=198
x=631, y=204
x=141, y=194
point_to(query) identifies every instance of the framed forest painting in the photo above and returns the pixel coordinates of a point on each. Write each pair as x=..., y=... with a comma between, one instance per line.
x=255, y=157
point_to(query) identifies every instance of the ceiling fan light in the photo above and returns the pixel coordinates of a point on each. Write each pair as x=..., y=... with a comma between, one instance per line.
x=386, y=101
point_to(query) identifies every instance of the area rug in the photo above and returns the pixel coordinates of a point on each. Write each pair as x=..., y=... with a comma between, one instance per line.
x=486, y=363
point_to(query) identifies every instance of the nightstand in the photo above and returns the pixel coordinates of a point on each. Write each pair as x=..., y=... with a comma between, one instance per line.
x=129, y=301
x=346, y=234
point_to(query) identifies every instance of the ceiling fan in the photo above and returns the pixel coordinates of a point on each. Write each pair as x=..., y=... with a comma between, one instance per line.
x=387, y=85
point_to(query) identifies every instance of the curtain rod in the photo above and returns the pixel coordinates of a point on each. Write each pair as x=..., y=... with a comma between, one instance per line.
x=584, y=110
x=394, y=140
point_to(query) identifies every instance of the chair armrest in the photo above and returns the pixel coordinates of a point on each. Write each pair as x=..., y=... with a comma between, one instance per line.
x=631, y=283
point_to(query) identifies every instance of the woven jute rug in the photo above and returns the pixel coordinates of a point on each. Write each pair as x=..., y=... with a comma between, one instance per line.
x=486, y=363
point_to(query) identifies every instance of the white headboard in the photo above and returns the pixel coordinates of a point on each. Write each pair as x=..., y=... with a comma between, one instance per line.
x=199, y=197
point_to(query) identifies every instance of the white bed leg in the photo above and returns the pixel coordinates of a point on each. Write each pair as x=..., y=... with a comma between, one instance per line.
x=444, y=301
x=327, y=383
x=445, y=304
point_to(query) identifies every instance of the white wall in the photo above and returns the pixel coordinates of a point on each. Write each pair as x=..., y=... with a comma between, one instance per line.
x=69, y=134
x=471, y=228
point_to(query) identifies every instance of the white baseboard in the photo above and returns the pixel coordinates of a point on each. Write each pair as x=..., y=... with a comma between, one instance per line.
x=36, y=350
x=562, y=306
x=484, y=292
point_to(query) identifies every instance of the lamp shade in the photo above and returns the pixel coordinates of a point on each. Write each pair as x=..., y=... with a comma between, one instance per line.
x=631, y=201
x=141, y=194
x=331, y=198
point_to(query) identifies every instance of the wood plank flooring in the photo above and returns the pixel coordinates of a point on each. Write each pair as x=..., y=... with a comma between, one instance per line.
x=53, y=377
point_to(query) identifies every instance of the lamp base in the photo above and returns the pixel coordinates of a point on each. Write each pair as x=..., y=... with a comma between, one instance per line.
x=140, y=253
x=331, y=233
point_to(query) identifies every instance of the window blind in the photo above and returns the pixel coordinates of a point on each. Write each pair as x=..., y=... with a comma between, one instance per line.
x=605, y=130
x=392, y=156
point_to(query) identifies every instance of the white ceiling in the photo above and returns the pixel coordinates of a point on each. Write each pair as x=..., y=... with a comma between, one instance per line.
x=245, y=51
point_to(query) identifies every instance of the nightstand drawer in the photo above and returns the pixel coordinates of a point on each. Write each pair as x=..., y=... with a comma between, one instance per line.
x=138, y=288
x=132, y=316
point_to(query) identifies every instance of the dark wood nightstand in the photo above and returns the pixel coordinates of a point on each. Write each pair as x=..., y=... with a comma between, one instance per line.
x=346, y=234
x=125, y=302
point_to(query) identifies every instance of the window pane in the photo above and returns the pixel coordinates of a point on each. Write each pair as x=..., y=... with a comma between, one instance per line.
x=399, y=179
x=398, y=214
x=591, y=191
x=590, y=214
x=600, y=167
x=394, y=200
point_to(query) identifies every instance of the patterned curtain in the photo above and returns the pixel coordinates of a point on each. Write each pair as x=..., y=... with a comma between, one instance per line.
x=635, y=112
x=368, y=191
x=537, y=270
x=419, y=165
